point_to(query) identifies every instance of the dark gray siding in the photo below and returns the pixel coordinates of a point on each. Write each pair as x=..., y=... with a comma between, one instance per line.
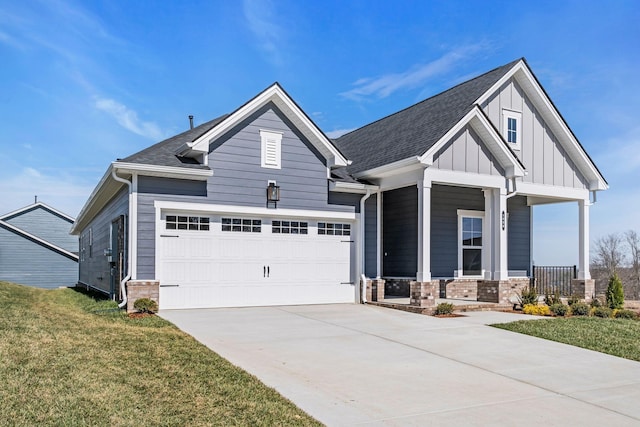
x=445, y=202
x=519, y=235
x=400, y=232
x=94, y=266
x=238, y=179
x=26, y=262
x=370, y=233
x=47, y=226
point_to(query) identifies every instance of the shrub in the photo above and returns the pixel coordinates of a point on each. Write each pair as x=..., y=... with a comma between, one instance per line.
x=559, y=309
x=537, y=310
x=615, y=294
x=626, y=314
x=573, y=299
x=595, y=302
x=528, y=296
x=552, y=299
x=604, y=312
x=145, y=305
x=444, y=308
x=580, y=309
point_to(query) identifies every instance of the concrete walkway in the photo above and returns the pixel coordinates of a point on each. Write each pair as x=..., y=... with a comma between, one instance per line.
x=354, y=364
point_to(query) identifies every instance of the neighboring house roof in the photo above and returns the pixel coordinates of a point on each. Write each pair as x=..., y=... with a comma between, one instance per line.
x=37, y=205
x=412, y=131
x=39, y=241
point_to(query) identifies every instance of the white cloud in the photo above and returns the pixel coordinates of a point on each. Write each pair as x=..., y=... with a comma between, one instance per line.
x=338, y=132
x=383, y=86
x=128, y=118
x=261, y=17
x=62, y=191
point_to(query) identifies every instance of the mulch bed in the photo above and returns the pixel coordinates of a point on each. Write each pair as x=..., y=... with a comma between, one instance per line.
x=449, y=315
x=139, y=315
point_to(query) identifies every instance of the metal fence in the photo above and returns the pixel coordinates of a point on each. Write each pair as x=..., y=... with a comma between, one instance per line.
x=549, y=280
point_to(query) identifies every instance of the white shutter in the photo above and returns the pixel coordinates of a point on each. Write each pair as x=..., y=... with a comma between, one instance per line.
x=271, y=149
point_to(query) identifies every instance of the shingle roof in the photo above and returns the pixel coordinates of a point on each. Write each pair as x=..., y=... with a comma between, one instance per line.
x=164, y=152
x=412, y=131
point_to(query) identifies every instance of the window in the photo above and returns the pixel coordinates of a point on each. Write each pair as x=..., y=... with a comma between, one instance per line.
x=332, y=229
x=242, y=225
x=271, y=142
x=289, y=227
x=512, y=128
x=175, y=222
x=470, y=243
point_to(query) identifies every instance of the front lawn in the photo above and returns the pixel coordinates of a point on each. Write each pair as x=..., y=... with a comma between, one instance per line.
x=619, y=337
x=67, y=359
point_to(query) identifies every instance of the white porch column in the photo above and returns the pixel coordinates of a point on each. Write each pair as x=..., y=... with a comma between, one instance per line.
x=379, y=235
x=583, y=239
x=487, y=233
x=424, y=231
x=499, y=236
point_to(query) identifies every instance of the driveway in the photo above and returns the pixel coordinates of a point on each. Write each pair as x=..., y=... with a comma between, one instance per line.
x=348, y=364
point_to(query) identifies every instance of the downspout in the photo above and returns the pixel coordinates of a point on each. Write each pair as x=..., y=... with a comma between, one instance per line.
x=363, y=277
x=515, y=191
x=128, y=276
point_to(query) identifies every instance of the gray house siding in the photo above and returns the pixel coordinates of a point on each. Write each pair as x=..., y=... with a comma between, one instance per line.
x=94, y=266
x=400, y=232
x=238, y=179
x=46, y=225
x=519, y=234
x=445, y=202
x=467, y=153
x=370, y=233
x=541, y=153
x=29, y=263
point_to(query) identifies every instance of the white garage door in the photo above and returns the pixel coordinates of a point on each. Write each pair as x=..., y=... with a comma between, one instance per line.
x=233, y=261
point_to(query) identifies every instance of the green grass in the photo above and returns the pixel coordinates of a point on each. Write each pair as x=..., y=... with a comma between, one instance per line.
x=619, y=337
x=68, y=359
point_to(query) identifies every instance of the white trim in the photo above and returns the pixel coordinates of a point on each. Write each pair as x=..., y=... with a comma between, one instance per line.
x=351, y=187
x=465, y=179
x=38, y=239
x=462, y=213
x=249, y=210
x=43, y=205
x=275, y=94
x=552, y=191
x=551, y=116
x=517, y=116
x=270, y=141
x=163, y=171
x=395, y=168
x=379, y=235
x=133, y=223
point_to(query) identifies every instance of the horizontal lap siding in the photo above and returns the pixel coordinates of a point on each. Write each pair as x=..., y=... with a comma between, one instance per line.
x=47, y=226
x=28, y=263
x=238, y=179
x=445, y=202
x=400, y=232
x=95, y=270
x=519, y=234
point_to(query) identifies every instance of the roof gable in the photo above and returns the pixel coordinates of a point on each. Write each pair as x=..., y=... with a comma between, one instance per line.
x=38, y=205
x=35, y=239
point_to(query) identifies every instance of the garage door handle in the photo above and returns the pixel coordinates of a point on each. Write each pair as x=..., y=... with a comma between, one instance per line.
x=169, y=286
x=347, y=241
x=168, y=235
x=268, y=272
x=264, y=271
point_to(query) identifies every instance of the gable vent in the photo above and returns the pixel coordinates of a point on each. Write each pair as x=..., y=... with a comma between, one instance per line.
x=271, y=149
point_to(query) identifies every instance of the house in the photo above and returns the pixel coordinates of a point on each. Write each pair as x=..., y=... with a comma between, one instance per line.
x=36, y=248
x=260, y=207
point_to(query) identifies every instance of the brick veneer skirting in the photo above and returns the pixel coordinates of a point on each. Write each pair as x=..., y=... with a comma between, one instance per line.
x=375, y=290
x=137, y=289
x=501, y=291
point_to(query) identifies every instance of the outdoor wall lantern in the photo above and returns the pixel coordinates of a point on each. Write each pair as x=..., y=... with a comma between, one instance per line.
x=273, y=193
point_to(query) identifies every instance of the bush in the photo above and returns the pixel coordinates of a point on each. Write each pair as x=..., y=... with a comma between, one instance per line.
x=554, y=299
x=580, y=309
x=595, y=302
x=604, y=312
x=559, y=309
x=145, y=305
x=444, y=308
x=573, y=299
x=528, y=296
x=615, y=294
x=626, y=314
x=537, y=310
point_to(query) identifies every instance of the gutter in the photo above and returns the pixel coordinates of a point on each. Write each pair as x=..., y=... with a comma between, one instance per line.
x=363, y=288
x=123, y=282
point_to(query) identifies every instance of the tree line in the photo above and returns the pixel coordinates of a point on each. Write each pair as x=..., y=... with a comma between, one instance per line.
x=618, y=254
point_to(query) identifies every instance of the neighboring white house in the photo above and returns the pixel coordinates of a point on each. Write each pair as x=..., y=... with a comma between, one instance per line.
x=260, y=207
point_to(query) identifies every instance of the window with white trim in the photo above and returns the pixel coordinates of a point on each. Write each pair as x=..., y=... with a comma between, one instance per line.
x=175, y=222
x=470, y=243
x=271, y=143
x=334, y=229
x=242, y=225
x=289, y=227
x=512, y=128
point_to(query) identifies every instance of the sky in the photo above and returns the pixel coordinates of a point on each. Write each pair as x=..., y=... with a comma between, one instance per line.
x=85, y=83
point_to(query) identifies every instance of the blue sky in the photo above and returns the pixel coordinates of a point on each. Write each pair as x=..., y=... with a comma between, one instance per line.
x=83, y=83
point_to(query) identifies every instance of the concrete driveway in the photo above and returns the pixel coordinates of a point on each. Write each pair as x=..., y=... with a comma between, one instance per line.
x=355, y=364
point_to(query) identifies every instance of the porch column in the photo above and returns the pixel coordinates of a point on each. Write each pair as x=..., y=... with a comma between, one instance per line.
x=487, y=232
x=379, y=235
x=424, y=231
x=583, y=239
x=499, y=236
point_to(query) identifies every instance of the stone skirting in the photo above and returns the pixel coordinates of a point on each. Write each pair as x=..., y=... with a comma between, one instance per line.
x=584, y=288
x=397, y=287
x=501, y=291
x=137, y=289
x=459, y=288
x=424, y=294
x=375, y=290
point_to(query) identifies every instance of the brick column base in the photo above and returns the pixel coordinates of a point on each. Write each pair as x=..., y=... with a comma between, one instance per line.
x=424, y=294
x=375, y=289
x=137, y=289
x=501, y=291
x=584, y=288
